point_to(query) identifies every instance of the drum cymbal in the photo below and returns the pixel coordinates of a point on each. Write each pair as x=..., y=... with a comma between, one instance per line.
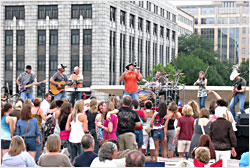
x=178, y=74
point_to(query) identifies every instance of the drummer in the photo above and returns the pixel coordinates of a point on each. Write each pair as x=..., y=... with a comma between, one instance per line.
x=159, y=79
x=77, y=80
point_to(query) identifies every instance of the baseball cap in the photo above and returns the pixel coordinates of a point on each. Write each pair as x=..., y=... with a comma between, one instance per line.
x=28, y=67
x=61, y=66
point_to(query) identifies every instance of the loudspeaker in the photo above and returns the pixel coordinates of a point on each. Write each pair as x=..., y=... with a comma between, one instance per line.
x=242, y=135
x=242, y=130
x=244, y=119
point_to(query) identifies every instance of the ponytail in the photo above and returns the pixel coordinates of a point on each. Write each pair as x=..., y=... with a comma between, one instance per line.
x=5, y=108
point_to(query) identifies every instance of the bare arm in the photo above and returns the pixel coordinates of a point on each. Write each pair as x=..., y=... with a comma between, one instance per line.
x=138, y=124
x=217, y=96
x=122, y=77
x=52, y=81
x=11, y=123
x=42, y=115
x=152, y=120
x=166, y=127
x=197, y=82
x=68, y=123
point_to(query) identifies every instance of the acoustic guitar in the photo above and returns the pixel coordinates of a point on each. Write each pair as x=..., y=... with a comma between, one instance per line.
x=55, y=89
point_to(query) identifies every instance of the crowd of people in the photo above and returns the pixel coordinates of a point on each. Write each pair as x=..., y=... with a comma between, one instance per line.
x=114, y=133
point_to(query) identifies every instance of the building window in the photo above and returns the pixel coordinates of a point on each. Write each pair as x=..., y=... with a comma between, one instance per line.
x=41, y=37
x=207, y=20
x=53, y=40
x=131, y=49
x=8, y=37
x=122, y=18
x=17, y=11
x=161, y=55
x=155, y=9
x=41, y=50
x=74, y=61
x=148, y=27
x=87, y=37
x=147, y=59
x=47, y=10
x=174, y=18
x=140, y=55
x=243, y=51
x=161, y=31
x=232, y=20
x=132, y=21
x=167, y=33
x=53, y=63
x=154, y=53
x=244, y=40
x=74, y=37
x=155, y=29
x=173, y=35
x=85, y=10
x=20, y=37
x=112, y=58
x=208, y=33
x=20, y=63
x=196, y=21
x=140, y=24
x=205, y=11
x=141, y=4
x=122, y=53
x=243, y=30
x=148, y=5
x=167, y=55
x=162, y=12
x=173, y=53
x=112, y=13
x=168, y=15
x=223, y=20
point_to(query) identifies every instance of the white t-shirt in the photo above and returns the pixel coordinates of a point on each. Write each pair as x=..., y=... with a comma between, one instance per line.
x=45, y=105
x=107, y=163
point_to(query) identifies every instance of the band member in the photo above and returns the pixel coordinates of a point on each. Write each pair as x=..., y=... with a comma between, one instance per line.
x=239, y=93
x=77, y=83
x=158, y=78
x=130, y=77
x=202, y=92
x=26, y=78
x=58, y=77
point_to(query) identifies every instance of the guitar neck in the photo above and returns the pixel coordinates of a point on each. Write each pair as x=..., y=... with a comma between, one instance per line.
x=32, y=84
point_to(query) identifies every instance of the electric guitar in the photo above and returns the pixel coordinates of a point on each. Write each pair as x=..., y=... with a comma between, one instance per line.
x=234, y=91
x=25, y=86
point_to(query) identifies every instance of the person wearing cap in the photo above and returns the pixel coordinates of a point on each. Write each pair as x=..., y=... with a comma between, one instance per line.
x=239, y=93
x=26, y=78
x=77, y=79
x=58, y=77
x=130, y=77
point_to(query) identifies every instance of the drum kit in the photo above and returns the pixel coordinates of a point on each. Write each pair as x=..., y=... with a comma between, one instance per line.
x=160, y=92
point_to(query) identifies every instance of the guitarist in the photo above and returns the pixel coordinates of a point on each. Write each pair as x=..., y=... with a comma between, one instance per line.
x=239, y=93
x=77, y=83
x=26, y=78
x=58, y=77
x=202, y=92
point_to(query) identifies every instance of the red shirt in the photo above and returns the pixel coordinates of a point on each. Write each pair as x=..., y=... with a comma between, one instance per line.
x=187, y=128
x=131, y=81
x=141, y=115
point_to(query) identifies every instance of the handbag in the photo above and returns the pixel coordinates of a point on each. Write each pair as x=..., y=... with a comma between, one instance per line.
x=26, y=130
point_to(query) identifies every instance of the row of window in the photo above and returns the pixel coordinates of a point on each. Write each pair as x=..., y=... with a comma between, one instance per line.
x=223, y=20
x=140, y=23
x=49, y=10
x=185, y=20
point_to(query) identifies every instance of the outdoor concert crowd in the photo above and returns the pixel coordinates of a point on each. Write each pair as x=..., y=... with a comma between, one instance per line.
x=117, y=132
x=112, y=132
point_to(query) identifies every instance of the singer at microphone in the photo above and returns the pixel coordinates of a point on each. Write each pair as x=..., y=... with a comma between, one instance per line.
x=130, y=77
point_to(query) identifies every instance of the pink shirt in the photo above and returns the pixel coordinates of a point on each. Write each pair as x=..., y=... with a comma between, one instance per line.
x=111, y=135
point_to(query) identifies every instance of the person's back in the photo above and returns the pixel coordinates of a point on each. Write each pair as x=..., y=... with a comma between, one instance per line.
x=85, y=159
x=58, y=160
x=187, y=127
x=22, y=159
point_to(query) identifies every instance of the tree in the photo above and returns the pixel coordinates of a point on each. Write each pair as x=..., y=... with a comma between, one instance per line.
x=196, y=54
x=244, y=70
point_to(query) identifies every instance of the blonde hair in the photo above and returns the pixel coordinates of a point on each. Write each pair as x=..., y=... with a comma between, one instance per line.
x=114, y=100
x=93, y=106
x=28, y=102
x=187, y=110
x=195, y=108
x=78, y=108
x=202, y=154
x=17, y=146
x=53, y=143
x=173, y=107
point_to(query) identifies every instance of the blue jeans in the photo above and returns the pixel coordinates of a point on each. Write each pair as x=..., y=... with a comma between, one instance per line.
x=139, y=137
x=237, y=98
x=202, y=101
x=74, y=97
x=60, y=95
x=25, y=95
x=133, y=95
x=75, y=150
x=39, y=147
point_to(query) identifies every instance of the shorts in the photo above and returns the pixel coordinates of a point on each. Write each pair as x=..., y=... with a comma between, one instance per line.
x=99, y=133
x=183, y=145
x=139, y=137
x=31, y=144
x=170, y=139
x=146, y=140
x=158, y=134
x=5, y=144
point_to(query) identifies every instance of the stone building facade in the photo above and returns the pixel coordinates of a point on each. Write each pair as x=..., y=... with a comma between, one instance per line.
x=100, y=37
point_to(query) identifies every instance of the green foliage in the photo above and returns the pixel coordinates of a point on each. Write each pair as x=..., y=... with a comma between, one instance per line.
x=168, y=68
x=195, y=55
x=244, y=70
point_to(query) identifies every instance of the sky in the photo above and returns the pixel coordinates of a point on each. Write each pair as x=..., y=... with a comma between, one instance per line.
x=190, y=2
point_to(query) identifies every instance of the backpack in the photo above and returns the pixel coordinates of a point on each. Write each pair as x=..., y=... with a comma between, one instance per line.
x=49, y=127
